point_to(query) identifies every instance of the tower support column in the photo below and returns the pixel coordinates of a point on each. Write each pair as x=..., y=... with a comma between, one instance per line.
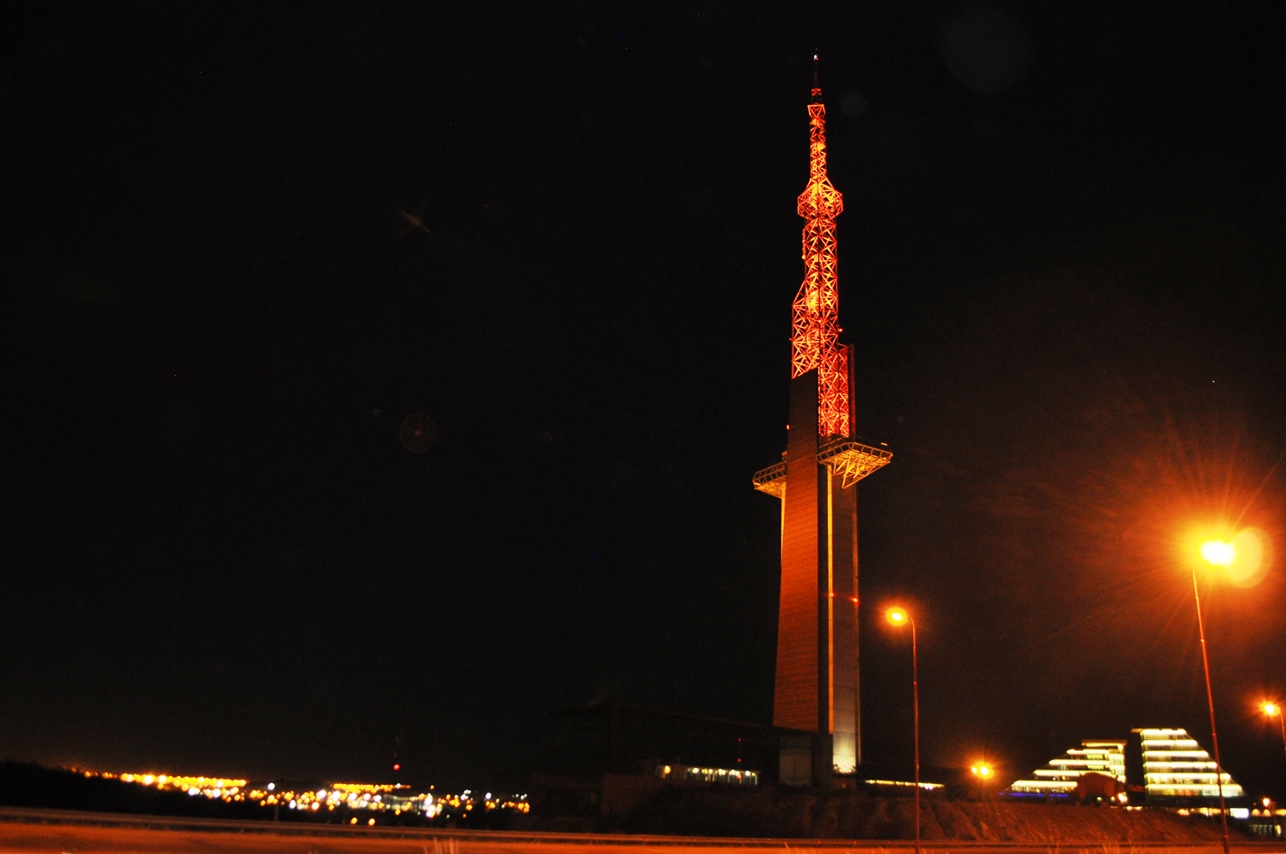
x=817, y=672
x=797, y=702
x=846, y=681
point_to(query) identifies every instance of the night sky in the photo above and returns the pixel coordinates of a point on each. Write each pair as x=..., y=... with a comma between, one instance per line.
x=246, y=242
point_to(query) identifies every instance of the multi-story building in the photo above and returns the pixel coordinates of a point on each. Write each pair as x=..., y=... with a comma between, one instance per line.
x=1061, y=774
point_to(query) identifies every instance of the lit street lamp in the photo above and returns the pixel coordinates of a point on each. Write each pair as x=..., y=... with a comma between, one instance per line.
x=900, y=617
x=1273, y=710
x=1215, y=553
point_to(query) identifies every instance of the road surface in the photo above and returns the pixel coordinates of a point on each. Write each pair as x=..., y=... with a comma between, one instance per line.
x=30, y=831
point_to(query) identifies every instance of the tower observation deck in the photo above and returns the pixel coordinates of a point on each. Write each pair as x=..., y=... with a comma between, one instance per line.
x=817, y=677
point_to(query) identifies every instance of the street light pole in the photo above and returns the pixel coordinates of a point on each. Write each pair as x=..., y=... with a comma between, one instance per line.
x=1281, y=718
x=1210, y=703
x=915, y=706
x=898, y=616
x=1275, y=710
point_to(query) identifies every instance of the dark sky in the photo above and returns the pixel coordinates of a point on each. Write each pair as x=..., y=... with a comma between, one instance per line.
x=1061, y=260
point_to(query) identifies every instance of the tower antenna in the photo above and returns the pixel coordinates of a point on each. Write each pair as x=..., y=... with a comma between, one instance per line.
x=815, y=323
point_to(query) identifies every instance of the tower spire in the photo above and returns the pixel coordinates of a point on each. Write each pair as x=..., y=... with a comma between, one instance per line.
x=815, y=313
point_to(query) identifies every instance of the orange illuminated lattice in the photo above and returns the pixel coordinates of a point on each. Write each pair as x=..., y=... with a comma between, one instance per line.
x=815, y=319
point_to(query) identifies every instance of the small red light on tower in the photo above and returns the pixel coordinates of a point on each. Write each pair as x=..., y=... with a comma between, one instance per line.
x=397, y=766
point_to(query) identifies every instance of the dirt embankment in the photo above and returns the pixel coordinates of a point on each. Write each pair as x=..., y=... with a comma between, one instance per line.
x=863, y=816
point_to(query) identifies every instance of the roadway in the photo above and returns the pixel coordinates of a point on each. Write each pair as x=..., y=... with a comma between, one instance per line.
x=31, y=831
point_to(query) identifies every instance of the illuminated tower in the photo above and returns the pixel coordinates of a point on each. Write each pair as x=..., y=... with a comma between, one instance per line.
x=817, y=656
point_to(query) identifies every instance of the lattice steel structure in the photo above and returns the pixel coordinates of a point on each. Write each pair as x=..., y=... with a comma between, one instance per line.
x=847, y=459
x=814, y=340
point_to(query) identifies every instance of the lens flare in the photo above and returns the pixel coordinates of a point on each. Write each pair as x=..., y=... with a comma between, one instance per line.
x=1252, y=558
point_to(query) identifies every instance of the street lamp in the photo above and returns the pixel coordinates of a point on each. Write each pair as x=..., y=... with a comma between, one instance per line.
x=1274, y=710
x=982, y=773
x=899, y=617
x=1215, y=553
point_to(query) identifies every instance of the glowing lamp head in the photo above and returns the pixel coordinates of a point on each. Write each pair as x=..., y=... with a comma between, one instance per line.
x=1270, y=708
x=1218, y=553
x=982, y=770
x=898, y=616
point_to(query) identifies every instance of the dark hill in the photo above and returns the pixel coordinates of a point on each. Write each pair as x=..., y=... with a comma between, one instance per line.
x=24, y=784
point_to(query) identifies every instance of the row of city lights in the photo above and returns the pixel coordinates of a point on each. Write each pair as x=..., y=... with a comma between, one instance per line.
x=378, y=797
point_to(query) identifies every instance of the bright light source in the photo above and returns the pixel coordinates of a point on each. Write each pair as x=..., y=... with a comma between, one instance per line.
x=982, y=769
x=898, y=616
x=1218, y=553
x=1270, y=708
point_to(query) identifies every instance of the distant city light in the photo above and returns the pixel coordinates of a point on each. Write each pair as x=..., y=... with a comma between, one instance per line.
x=373, y=797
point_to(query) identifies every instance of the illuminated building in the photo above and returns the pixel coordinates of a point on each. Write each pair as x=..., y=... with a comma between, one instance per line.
x=1060, y=775
x=1166, y=766
x=1174, y=767
x=817, y=678
x=692, y=774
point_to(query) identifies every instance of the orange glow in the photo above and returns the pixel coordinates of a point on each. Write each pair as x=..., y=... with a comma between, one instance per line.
x=815, y=314
x=898, y=616
x=1270, y=708
x=982, y=770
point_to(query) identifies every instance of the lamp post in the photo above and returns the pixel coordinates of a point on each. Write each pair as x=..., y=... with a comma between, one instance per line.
x=982, y=773
x=900, y=617
x=1274, y=710
x=1215, y=553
